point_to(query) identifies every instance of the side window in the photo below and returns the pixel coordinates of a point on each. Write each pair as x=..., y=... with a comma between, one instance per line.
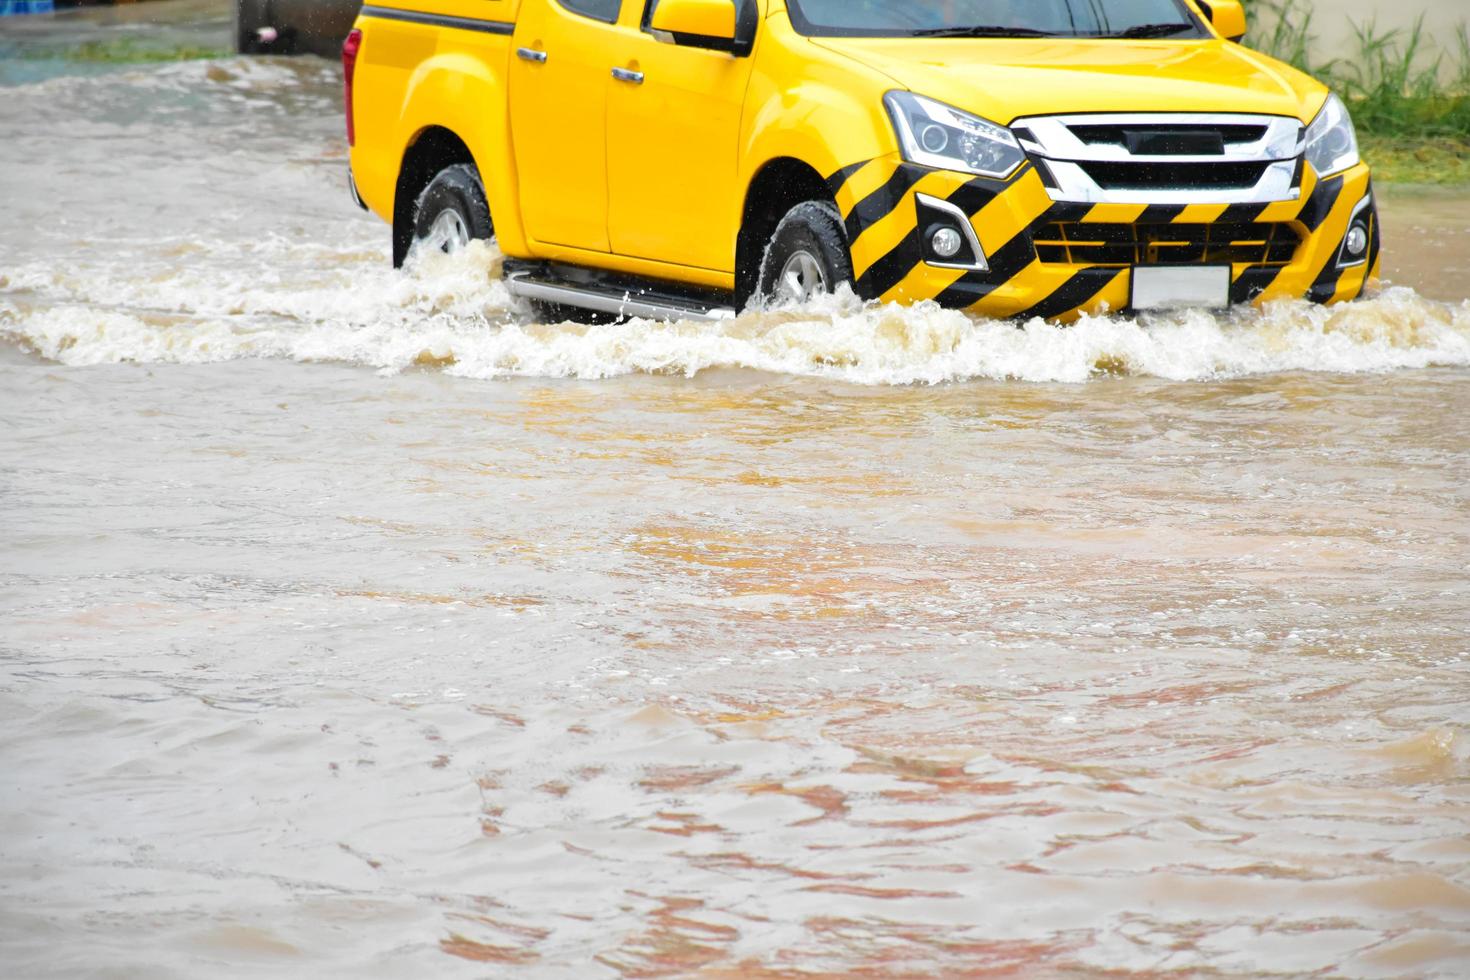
x=603, y=10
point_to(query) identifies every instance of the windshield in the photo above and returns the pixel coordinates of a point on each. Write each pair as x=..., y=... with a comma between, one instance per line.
x=995, y=18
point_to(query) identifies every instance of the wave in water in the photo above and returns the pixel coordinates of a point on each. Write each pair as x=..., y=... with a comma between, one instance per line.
x=453, y=313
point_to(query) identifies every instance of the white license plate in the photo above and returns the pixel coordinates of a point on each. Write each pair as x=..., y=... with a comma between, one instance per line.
x=1178, y=287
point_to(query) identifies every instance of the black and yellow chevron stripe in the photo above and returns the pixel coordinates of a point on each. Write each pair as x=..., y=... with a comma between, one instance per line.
x=876, y=198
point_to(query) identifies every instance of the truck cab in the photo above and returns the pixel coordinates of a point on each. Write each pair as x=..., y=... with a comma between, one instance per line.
x=1013, y=158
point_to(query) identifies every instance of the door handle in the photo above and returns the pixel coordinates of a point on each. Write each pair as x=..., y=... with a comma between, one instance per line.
x=530, y=54
x=628, y=75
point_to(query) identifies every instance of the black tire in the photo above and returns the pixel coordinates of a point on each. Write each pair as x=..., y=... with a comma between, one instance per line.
x=813, y=229
x=455, y=191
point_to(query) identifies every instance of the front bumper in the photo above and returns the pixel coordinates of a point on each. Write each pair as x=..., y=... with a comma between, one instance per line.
x=876, y=199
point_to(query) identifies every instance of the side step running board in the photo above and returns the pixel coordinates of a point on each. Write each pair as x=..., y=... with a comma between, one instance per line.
x=621, y=299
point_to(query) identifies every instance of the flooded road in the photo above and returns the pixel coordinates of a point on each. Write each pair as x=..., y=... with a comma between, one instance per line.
x=352, y=623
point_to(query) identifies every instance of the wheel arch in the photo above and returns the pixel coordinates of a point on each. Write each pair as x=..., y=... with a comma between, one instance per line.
x=777, y=187
x=453, y=109
x=431, y=150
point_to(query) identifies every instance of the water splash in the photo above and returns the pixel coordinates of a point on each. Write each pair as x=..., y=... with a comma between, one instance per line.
x=454, y=313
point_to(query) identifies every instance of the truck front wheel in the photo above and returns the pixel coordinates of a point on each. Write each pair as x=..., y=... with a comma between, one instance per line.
x=452, y=211
x=807, y=256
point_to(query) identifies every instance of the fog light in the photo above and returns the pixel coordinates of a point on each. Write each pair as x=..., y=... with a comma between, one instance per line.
x=1357, y=241
x=946, y=243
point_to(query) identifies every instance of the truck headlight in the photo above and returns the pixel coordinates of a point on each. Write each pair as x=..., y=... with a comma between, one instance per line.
x=937, y=135
x=1332, y=143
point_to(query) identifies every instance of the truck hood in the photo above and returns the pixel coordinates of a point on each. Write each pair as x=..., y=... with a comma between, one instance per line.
x=1006, y=79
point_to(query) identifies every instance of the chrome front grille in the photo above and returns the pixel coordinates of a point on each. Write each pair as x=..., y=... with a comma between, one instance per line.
x=1166, y=158
x=1092, y=243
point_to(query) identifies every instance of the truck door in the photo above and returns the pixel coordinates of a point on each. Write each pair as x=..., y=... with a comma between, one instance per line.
x=559, y=79
x=673, y=133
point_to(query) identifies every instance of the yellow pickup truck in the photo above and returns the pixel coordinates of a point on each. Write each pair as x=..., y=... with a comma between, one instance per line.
x=1014, y=158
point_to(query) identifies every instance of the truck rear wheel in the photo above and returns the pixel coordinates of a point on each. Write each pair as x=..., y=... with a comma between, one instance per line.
x=452, y=211
x=807, y=256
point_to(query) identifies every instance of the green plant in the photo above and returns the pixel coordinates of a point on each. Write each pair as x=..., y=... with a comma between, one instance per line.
x=1395, y=82
x=1282, y=29
x=1409, y=97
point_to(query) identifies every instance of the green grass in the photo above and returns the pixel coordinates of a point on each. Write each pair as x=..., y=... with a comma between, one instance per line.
x=1418, y=160
x=1410, y=101
x=123, y=51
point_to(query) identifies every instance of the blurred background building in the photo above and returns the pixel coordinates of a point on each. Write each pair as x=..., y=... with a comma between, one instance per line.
x=1333, y=21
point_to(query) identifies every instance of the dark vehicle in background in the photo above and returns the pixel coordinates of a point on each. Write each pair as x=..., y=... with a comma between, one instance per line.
x=293, y=26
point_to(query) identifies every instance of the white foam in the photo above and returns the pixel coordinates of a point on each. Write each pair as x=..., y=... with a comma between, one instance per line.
x=341, y=304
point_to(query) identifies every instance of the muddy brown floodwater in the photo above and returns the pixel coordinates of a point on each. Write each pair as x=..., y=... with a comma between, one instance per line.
x=354, y=624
